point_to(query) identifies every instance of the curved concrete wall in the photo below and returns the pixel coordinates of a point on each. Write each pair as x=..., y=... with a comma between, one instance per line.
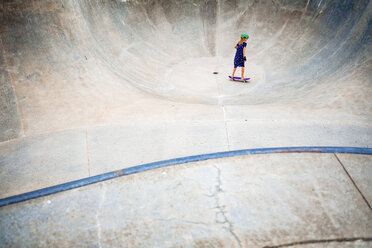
x=171, y=49
x=93, y=86
x=63, y=57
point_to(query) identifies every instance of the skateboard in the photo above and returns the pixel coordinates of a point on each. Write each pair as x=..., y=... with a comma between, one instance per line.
x=239, y=79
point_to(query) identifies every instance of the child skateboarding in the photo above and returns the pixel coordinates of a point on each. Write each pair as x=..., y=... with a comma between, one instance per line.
x=240, y=55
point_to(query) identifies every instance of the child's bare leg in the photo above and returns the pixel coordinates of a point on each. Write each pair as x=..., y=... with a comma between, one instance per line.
x=233, y=73
x=242, y=73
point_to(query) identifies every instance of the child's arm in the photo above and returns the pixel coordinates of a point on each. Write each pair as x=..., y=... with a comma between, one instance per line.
x=236, y=47
x=244, y=51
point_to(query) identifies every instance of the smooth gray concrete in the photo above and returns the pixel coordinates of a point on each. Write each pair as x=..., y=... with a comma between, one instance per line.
x=272, y=133
x=157, y=143
x=42, y=162
x=247, y=201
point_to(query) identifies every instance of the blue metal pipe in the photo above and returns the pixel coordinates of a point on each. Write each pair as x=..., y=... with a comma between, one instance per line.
x=145, y=167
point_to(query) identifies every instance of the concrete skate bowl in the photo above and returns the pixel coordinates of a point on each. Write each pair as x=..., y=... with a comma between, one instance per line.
x=90, y=89
x=81, y=76
x=76, y=66
x=297, y=50
x=171, y=48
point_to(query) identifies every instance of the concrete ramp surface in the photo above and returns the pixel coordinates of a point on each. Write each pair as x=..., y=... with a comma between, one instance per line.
x=93, y=86
x=79, y=63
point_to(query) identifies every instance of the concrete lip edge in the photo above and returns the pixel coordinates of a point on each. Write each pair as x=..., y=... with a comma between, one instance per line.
x=154, y=165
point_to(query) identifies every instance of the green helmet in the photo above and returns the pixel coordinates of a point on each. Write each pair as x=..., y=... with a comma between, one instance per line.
x=244, y=35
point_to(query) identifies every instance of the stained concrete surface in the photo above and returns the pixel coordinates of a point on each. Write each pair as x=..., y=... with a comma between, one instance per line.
x=247, y=201
x=10, y=124
x=359, y=168
x=90, y=86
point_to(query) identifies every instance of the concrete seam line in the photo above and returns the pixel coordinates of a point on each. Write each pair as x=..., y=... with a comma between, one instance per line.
x=352, y=180
x=319, y=241
x=226, y=131
x=145, y=167
x=87, y=148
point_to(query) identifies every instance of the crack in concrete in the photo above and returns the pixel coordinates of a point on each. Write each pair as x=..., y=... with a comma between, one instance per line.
x=88, y=155
x=319, y=241
x=227, y=132
x=185, y=221
x=98, y=222
x=353, y=182
x=221, y=217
